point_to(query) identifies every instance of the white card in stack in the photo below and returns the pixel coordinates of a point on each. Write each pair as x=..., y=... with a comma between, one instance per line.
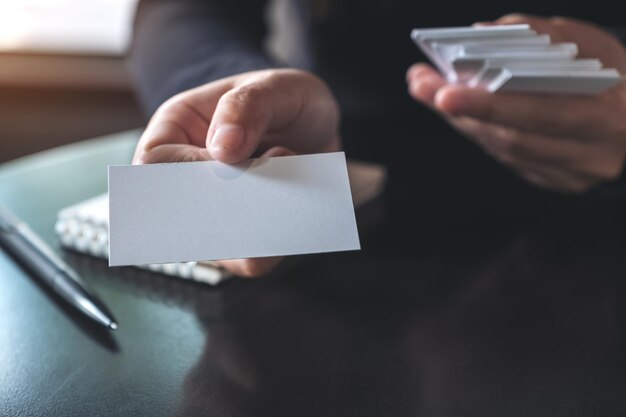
x=473, y=71
x=452, y=51
x=512, y=58
x=481, y=56
x=564, y=82
x=425, y=38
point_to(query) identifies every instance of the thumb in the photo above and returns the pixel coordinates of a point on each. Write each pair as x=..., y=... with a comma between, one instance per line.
x=240, y=119
x=279, y=107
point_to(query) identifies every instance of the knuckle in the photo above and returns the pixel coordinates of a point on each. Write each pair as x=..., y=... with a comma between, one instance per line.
x=163, y=108
x=243, y=96
x=273, y=77
x=173, y=104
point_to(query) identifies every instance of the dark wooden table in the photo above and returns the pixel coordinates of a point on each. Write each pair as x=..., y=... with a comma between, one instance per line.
x=462, y=320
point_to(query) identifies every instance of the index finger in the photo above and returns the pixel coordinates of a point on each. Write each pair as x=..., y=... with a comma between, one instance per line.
x=184, y=118
x=547, y=114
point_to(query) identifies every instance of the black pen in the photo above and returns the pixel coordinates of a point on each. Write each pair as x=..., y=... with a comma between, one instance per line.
x=38, y=257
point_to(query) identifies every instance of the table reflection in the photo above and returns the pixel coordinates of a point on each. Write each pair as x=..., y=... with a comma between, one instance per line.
x=525, y=324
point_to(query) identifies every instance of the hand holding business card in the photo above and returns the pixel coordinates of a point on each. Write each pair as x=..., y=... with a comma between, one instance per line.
x=569, y=139
x=512, y=58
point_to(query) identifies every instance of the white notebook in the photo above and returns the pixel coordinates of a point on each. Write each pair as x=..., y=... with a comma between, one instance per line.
x=83, y=226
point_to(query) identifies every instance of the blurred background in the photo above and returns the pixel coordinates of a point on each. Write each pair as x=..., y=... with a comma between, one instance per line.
x=62, y=73
x=62, y=70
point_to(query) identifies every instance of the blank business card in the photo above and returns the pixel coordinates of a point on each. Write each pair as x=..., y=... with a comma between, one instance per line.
x=208, y=210
x=561, y=82
x=425, y=38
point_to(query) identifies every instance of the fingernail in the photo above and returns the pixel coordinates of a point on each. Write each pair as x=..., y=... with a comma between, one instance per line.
x=228, y=137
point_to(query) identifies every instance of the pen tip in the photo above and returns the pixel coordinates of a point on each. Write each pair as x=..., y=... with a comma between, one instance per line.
x=113, y=325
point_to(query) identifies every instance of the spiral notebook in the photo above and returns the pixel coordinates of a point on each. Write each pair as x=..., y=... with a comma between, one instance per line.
x=83, y=227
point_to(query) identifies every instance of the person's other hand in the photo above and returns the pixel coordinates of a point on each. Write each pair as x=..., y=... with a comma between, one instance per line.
x=559, y=142
x=261, y=113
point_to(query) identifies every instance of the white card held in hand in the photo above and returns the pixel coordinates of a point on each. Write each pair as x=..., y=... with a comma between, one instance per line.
x=209, y=210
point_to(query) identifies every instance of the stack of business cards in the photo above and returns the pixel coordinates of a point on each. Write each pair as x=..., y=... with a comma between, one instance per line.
x=512, y=58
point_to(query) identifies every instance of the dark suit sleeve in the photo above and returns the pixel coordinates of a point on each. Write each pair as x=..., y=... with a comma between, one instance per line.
x=180, y=44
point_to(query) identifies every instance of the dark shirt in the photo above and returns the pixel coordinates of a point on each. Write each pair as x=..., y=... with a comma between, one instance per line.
x=362, y=49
